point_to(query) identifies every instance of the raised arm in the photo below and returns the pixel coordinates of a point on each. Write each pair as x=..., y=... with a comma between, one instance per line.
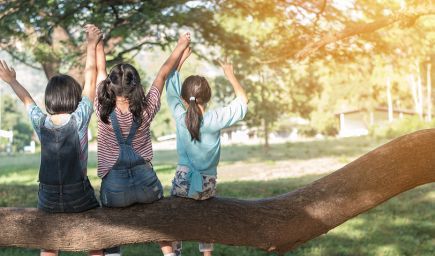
x=229, y=73
x=170, y=63
x=184, y=56
x=173, y=87
x=9, y=76
x=93, y=35
x=101, y=62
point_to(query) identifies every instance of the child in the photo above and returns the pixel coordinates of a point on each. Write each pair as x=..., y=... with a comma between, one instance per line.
x=124, y=143
x=63, y=182
x=198, y=133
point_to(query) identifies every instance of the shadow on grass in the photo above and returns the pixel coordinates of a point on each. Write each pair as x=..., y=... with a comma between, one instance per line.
x=402, y=226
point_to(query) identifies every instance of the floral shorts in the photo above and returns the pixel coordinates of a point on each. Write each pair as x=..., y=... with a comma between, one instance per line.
x=180, y=184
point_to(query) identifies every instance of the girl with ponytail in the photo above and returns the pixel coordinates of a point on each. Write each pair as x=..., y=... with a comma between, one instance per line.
x=125, y=152
x=198, y=133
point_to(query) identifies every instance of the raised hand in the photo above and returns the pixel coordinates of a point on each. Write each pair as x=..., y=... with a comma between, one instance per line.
x=93, y=34
x=229, y=73
x=227, y=67
x=184, y=40
x=7, y=74
x=184, y=56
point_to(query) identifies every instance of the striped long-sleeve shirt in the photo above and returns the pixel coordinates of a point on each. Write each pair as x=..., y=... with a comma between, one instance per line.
x=108, y=148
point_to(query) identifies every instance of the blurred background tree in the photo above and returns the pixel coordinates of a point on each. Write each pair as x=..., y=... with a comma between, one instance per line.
x=309, y=59
x=12, y=120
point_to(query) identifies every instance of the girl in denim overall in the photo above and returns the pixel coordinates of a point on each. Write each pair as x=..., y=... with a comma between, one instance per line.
x=63, y=183
x=125, y=152
x=198, y=134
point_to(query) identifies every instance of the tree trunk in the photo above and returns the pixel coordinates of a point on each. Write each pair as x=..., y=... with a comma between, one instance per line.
x=51, y=68
x=429, y=92
x=389, y=101
x=420, y=91
x=278, y=224
x=413, y=87
x=266, y=133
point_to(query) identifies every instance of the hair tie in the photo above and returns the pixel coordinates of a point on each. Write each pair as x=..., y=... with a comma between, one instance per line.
x=192, y=98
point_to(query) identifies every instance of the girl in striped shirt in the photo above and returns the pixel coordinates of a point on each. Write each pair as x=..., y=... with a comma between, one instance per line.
x=124, y=115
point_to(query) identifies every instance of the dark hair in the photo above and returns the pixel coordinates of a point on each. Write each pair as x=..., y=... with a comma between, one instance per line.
x=62, y=95
x=197, y=87
x=123, y=80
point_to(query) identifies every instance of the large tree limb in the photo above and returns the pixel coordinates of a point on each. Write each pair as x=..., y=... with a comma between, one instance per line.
x=365, y=28
x=275, y=224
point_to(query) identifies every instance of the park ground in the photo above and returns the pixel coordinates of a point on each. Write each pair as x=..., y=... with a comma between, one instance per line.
x=404, y=225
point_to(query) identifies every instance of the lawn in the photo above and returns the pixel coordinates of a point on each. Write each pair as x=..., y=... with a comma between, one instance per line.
x=405, y=225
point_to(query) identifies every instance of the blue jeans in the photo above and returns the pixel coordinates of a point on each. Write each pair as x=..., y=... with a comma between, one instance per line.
x=121, y=188
x=77, y=197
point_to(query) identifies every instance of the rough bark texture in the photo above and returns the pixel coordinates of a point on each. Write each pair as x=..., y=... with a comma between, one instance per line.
x=275, y=224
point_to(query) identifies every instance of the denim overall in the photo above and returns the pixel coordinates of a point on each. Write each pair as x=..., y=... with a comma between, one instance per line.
x=132, y=179
x=62, y=184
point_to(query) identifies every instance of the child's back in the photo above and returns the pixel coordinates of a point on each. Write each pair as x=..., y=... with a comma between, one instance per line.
x=63, y=183
x=204, y=155
x=198, y=134
x=64, y=150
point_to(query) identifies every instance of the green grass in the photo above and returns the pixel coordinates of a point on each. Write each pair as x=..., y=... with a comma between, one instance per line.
x=405, y=225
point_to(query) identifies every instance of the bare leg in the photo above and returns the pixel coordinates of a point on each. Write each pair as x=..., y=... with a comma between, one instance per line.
x=206, y=248
x=96, y=253
x=49, y=253
x=166, y=248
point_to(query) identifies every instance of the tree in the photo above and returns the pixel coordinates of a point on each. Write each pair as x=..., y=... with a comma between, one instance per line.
x=276, y=224
x=50, y=34
x=281, y=34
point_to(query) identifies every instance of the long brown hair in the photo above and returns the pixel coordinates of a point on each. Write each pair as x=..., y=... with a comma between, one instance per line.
x=195, y=91
x=123, y=80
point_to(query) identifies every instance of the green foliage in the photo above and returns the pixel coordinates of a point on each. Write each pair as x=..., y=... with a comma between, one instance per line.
x=400, y=127
x=51, y=31
x=12, y=120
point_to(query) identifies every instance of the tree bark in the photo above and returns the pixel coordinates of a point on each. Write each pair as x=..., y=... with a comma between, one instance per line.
x=389, y=101
x=278, y=224
x=429, y=92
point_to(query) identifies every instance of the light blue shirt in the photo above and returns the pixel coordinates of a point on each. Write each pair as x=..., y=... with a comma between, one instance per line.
x=202, y=157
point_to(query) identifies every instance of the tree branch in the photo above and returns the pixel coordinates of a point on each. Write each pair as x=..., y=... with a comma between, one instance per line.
x=274, y=224
x=21, y=59
x=364, y=28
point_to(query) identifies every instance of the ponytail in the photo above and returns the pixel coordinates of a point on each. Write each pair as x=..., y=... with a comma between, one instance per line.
x=106, y=99
x=196, y=91
x=193, y=119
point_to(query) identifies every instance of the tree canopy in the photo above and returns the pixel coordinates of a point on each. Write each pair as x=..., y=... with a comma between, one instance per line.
x=304, y=58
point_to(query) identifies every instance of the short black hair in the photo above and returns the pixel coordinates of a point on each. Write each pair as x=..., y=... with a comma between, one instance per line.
x=62, y=95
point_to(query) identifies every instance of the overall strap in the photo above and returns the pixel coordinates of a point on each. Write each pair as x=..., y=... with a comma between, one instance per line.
x=133, y=129
x=42, y=121
x=117, y=129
